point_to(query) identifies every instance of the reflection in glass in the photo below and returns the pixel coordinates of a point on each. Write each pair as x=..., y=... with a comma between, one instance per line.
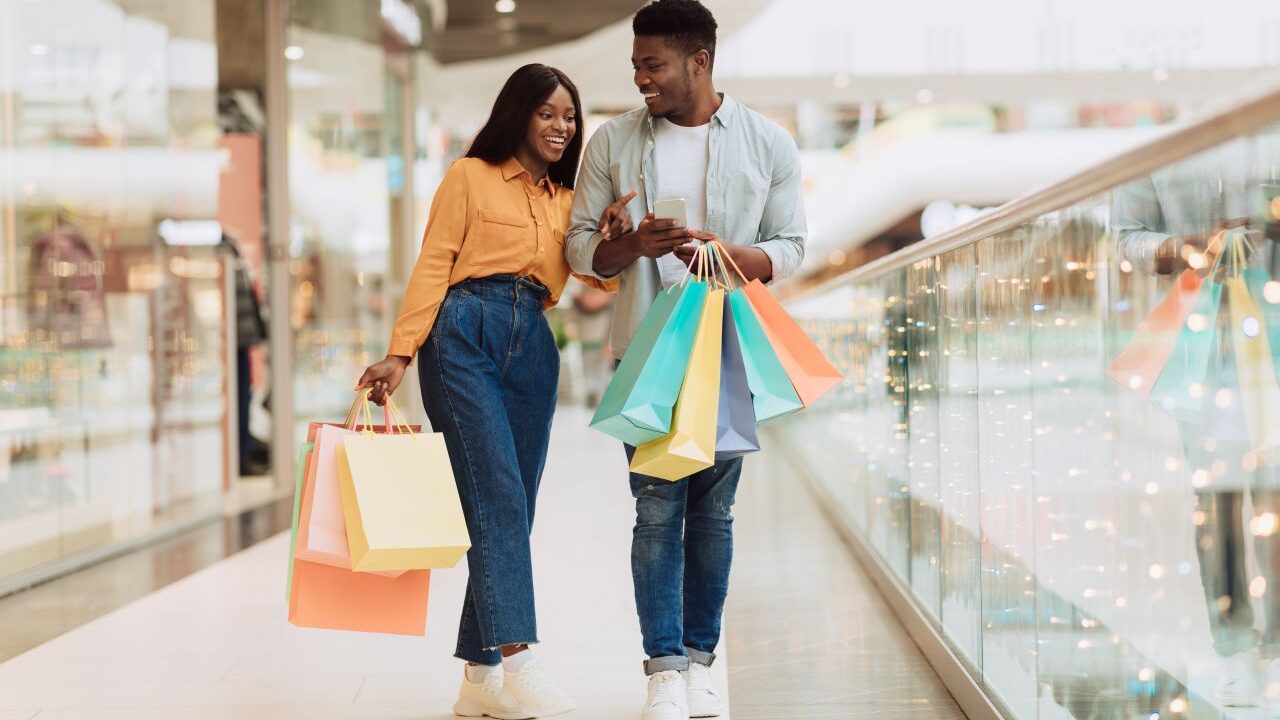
x=1080, y=420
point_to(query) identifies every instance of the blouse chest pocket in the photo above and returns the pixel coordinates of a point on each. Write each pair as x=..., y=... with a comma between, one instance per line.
x=501, y=239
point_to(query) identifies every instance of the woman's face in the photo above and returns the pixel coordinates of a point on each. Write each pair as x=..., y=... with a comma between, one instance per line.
x=553, y=126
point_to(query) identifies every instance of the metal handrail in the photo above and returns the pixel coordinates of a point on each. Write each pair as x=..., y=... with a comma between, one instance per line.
x=1248, y=110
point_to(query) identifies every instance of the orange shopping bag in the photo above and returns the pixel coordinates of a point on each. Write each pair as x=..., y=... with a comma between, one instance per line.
x=811, y=373
x=1139, y=365
x=328, y=597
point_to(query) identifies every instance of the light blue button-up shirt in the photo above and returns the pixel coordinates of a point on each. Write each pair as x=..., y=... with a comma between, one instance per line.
x=753, y=198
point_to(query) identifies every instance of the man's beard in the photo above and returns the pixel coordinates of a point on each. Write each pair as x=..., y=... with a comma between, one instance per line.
x=686, y=98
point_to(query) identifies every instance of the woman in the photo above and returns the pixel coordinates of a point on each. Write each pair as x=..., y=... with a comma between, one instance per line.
x=492, y=260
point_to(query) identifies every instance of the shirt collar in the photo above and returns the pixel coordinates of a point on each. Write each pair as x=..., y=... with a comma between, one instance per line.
x=511, y=169
x=728, y=107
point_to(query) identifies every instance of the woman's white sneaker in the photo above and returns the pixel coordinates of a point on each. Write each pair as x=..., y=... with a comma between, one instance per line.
x=703, y=701
x=532, y=690
x=668, y=697
x=485, y=699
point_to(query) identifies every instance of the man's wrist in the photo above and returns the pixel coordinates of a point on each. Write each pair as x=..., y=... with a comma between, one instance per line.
x=404, y=359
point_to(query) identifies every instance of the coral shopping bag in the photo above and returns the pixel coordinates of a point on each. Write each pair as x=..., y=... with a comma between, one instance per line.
x=323, y=596
x=1140, y=363
x=811, y=373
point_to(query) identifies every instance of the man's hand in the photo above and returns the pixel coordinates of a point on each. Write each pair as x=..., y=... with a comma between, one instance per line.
x=384, y=377
x=753, y=262
x=653, y=239
x=616, y=221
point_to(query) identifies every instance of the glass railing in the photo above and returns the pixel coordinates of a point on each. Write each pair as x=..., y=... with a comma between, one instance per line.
x=1060, y=430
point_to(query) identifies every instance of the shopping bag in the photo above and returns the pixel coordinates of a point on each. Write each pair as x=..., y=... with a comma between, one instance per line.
x=637, y=404
x=1182, y=385
x=772, y=393
x=324, y=596
x=1255, y=359
x=1139, y=365
x=736, y=418
x=322, y=526
x=304, y=460
x=691, y=444
x=811, y=374
x=400, y=502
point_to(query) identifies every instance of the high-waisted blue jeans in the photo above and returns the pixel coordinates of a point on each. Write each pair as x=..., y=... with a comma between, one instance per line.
x=489, y=373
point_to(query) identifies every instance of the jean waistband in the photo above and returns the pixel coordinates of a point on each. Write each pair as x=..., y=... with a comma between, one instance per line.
x=519, y=289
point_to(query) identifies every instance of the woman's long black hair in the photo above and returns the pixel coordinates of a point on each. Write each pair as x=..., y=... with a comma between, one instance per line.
x=508, y=123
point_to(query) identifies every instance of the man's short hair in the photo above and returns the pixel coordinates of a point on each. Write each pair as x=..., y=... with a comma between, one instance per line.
x=687, y=25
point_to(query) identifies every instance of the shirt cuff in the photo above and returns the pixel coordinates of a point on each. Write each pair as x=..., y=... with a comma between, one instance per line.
x=403, y=347
x=777, y=257
x=590, y=254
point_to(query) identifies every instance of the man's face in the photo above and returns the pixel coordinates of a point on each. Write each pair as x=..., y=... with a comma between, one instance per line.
x=662, y=76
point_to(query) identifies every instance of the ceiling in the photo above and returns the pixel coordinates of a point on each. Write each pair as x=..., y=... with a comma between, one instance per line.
x=475, y=30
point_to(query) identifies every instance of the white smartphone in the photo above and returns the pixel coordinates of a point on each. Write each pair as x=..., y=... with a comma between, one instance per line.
x=671, y=209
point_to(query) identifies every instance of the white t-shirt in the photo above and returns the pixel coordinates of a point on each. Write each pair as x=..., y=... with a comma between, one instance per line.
x=681, y=156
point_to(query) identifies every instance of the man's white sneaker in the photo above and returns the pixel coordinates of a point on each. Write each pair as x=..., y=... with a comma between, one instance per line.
x=534, y=692
x=484, y=698
x=703, y=701
x=1238, y=685
x=668, y=697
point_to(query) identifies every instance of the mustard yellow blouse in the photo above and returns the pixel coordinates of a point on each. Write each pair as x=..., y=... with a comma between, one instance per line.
x=486, y=220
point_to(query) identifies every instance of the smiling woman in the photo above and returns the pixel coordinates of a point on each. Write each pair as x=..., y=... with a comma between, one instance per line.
x=492, y=261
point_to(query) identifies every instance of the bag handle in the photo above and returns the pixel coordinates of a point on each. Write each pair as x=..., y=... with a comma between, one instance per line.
x=725, y=254
x=350, y=421
x=720, y=254
x=396, y=419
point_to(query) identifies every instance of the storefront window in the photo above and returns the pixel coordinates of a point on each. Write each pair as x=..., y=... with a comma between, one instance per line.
x=112, y=350
x=344, y=171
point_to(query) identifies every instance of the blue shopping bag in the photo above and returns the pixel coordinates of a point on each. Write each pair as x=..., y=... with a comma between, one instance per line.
x=736, y=419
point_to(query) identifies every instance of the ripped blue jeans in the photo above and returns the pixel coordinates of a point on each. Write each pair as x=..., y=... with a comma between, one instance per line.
x=681, y=552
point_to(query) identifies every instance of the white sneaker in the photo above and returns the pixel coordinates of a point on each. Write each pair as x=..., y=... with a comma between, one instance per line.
x=668, y=697
x=485, y=698
x=534, y=693
x=1238, y=685
x=703, y=701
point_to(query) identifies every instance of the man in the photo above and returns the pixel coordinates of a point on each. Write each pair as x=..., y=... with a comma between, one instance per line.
x=739, y=175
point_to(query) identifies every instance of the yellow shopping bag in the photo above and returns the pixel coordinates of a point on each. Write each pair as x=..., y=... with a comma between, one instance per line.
x=400, y=501
x=1255, y=365
x=691, y=445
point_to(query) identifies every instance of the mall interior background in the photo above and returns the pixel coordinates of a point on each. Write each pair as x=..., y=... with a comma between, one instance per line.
x=977, y=445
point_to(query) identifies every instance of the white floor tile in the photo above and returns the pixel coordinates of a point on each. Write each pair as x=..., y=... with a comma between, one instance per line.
x=218, y=645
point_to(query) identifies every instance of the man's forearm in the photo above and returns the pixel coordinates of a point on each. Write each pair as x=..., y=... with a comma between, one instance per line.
x=614, y=256
x=755, y=264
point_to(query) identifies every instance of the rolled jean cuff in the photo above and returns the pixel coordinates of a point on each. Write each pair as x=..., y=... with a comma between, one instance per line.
x=697, y=656
x=654, y=666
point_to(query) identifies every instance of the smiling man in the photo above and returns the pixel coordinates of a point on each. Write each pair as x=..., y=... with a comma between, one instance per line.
x=738, y=174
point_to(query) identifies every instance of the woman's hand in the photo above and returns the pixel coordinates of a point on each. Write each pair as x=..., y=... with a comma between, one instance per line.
x=384, y=377
x=616, y=221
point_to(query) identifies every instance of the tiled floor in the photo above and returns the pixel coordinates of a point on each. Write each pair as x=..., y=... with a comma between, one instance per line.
x=217, y=645
x=806, y=636
x=811, y=637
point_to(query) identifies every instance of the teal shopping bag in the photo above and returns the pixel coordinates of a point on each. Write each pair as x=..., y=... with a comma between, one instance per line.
x=1183, y=384
x=298, y=480
x=636, y=407
x=772, y=393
